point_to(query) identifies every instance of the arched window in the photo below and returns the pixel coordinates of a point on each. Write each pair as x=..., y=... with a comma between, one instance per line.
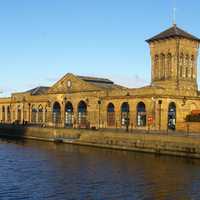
x=19, y=114
x=82, y=114
x=68, y=114
x=124, y=113
x=141, y=114
x=169, y=65
x=181, y=65
x=187, y=66
x=172, y=116
x=8, y=114
x=40, y=114
x=111, y=115
x=56, y=113
x=3, y=114
x=33, y=114
x=162, y=66
x=156, y=67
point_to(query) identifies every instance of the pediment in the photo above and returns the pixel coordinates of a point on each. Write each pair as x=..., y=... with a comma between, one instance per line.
x=71, y=83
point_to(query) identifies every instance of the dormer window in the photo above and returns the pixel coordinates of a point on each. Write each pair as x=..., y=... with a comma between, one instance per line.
x=69, y=84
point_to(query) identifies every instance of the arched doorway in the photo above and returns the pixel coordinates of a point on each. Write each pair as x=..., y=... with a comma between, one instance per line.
x=172, y=116
x=82, y=114
x=56, y=113
x=3, y=114
x=68, y=114
x=40, y=114
x=141, y=114
x=124, y=113
x=111, y=115
x=34, y=114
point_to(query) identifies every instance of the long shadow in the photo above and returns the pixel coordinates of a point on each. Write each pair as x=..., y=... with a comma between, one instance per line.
x=14, y=132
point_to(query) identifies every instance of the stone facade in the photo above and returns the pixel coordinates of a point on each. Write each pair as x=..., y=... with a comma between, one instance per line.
x=83, y=102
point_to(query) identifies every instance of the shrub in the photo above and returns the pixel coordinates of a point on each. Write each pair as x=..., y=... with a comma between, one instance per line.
x=193, y=118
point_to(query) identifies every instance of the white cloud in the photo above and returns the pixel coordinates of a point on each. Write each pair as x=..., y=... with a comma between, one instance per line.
x=5, y=91
x=131, y=81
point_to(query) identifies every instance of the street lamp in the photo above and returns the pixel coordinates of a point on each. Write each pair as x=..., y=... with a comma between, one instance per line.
x=154, y=110
x=29, y=108
x=184, y=101
x=160, y=103
x=64, y=101
x=24, y=101
x=99, y=103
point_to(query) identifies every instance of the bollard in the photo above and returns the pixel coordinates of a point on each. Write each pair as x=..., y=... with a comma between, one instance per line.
x=131, y=127
x=148, y=128
x=188, y=129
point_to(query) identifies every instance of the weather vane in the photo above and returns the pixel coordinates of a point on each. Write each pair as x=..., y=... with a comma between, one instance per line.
x=174, y=16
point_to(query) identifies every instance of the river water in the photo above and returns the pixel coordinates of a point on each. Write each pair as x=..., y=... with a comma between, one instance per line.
x=41, y=170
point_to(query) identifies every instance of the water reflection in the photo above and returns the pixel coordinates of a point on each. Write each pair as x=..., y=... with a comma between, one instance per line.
x=42, y=170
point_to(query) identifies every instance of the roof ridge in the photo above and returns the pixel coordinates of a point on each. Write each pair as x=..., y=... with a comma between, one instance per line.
x=173, y=31
x=93, y=78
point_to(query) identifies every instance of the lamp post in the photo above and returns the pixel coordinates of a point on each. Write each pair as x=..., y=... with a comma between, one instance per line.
x=49, y=115
x=64, y=118
x=154, y=111
x=24, y=101
x=29, y=108
x=160, y=103
x=99, y=103
x=184, y=101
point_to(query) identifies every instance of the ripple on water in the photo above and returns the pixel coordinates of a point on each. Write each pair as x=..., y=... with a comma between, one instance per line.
x=40, y=170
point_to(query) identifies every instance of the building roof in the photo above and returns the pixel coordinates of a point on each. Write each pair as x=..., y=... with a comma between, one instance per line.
x=103, y=83
x=96, y=80
x=172, y=32
x=38, y=90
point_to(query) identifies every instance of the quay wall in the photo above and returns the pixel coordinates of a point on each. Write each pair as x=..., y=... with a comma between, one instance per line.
x=178, y=145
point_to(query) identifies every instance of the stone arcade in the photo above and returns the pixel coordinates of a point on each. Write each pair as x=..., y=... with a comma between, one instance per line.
x=83, y=102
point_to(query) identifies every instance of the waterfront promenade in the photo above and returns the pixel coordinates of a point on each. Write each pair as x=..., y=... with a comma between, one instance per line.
x=170, y=143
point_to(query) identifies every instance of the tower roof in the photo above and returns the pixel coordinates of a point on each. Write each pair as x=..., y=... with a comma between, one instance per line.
x=172, y=32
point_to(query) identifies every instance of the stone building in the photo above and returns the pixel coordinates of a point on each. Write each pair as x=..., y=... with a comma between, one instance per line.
x=83, y=102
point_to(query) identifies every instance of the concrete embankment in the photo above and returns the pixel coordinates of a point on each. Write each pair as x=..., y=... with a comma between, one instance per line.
x=178, y=145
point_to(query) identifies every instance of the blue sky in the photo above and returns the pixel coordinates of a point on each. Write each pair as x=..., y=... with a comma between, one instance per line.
x=41, y=40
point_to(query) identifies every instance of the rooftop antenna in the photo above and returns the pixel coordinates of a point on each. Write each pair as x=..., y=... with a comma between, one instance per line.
x=174, y=13
x=174, y=16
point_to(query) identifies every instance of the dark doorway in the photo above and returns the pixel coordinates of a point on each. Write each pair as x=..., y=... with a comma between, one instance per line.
x=124, y=114
x=110, y=115
x=69, y=115
x=141, y=114
x=56, y=113
x=82, y=114
x=172, y=116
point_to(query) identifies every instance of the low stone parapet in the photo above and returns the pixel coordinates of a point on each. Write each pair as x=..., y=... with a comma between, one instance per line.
x=188, y=127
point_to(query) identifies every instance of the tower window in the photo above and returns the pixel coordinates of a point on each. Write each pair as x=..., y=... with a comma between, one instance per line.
x=162, y=67
x=187, y=66
x=181, y=65
x=169, y=65
x=192, y=67
x=156, y=67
